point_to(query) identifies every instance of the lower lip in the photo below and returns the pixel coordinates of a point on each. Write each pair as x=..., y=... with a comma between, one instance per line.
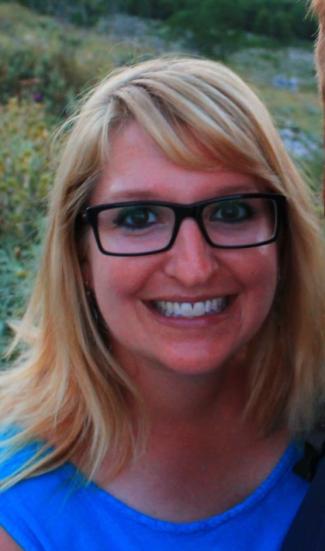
x=195, y=322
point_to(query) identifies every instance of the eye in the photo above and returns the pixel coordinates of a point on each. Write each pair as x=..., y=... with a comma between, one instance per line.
x=231, y=211
x=136, y=218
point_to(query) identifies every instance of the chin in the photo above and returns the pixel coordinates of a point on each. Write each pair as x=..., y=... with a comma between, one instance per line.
x=195, y=364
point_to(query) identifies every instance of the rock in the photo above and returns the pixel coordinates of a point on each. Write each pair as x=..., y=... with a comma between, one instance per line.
x=298, y=143
x=286, y=83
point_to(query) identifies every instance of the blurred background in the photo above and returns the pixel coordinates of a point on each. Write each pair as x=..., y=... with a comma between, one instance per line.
x=53, y=50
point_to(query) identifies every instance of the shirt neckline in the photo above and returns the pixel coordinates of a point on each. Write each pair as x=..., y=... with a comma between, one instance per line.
x=284, y=464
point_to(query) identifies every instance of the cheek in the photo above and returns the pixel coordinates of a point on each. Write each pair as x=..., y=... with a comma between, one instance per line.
x=260, y=277
x=117, y=281
x=111, y=284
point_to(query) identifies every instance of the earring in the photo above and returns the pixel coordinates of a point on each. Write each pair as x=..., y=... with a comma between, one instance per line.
x=97, y=316
x=92, y=303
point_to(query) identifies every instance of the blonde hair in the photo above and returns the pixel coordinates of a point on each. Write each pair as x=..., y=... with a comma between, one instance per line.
x=66, y=387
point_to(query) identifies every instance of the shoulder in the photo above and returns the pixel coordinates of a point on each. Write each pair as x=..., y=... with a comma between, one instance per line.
x=7, y=543
x=40, y=511
x=18, y=453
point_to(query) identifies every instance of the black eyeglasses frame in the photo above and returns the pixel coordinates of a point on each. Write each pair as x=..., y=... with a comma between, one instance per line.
x=181, y=211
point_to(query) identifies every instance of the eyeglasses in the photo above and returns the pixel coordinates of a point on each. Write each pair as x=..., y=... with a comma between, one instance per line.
x=137, y=228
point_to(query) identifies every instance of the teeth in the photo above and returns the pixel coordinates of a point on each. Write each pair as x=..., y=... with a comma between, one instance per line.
x=191, y=310
x=198, y=309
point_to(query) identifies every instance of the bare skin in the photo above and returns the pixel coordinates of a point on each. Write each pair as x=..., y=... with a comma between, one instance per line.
x=7, y=543
x=202, y=457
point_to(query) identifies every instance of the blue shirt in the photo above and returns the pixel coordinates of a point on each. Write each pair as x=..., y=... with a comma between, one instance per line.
x=56, y=512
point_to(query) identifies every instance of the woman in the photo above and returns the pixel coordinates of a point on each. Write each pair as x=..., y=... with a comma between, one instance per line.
x=173, y=349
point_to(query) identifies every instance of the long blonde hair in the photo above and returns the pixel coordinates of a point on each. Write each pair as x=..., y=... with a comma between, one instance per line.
x=65, y=387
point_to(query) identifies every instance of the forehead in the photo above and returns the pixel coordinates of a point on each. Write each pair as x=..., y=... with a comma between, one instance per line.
x=138, y=168
x=132, y=142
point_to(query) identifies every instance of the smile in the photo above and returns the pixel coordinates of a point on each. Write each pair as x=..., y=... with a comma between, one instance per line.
x=191, y=309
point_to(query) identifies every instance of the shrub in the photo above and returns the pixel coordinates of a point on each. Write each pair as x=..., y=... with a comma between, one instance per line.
x=37, y=68
x=17, y=267
x=25, y=178
x=45, y=60
x=24, y=169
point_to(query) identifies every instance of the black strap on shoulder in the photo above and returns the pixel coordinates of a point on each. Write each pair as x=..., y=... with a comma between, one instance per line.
x=307, y=532
x=313, y=453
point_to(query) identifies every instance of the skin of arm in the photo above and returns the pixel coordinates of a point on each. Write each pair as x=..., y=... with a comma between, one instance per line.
x=7, y=543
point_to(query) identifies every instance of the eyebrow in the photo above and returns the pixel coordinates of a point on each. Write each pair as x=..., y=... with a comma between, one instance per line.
x=143, y=194
x=133, y=194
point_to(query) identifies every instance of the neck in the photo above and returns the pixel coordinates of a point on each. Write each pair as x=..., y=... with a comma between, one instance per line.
x=202, y=456
x=173, y=398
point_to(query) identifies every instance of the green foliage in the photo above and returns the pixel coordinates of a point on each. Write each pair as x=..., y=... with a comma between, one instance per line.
x=88, y=12
x=79, y=12
x=17, y=269
x=216, y=26
x=159, y=9
x=44, y=60
x=25, y=179
x=206, y=20
x=24, y=173
x=37, y=59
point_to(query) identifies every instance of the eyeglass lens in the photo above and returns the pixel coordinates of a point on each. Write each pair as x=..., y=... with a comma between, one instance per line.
x=136, y=229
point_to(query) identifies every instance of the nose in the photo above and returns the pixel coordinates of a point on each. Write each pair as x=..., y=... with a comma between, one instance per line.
x=191, y=260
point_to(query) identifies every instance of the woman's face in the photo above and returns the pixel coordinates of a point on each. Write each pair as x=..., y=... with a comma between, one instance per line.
x=128, y=290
